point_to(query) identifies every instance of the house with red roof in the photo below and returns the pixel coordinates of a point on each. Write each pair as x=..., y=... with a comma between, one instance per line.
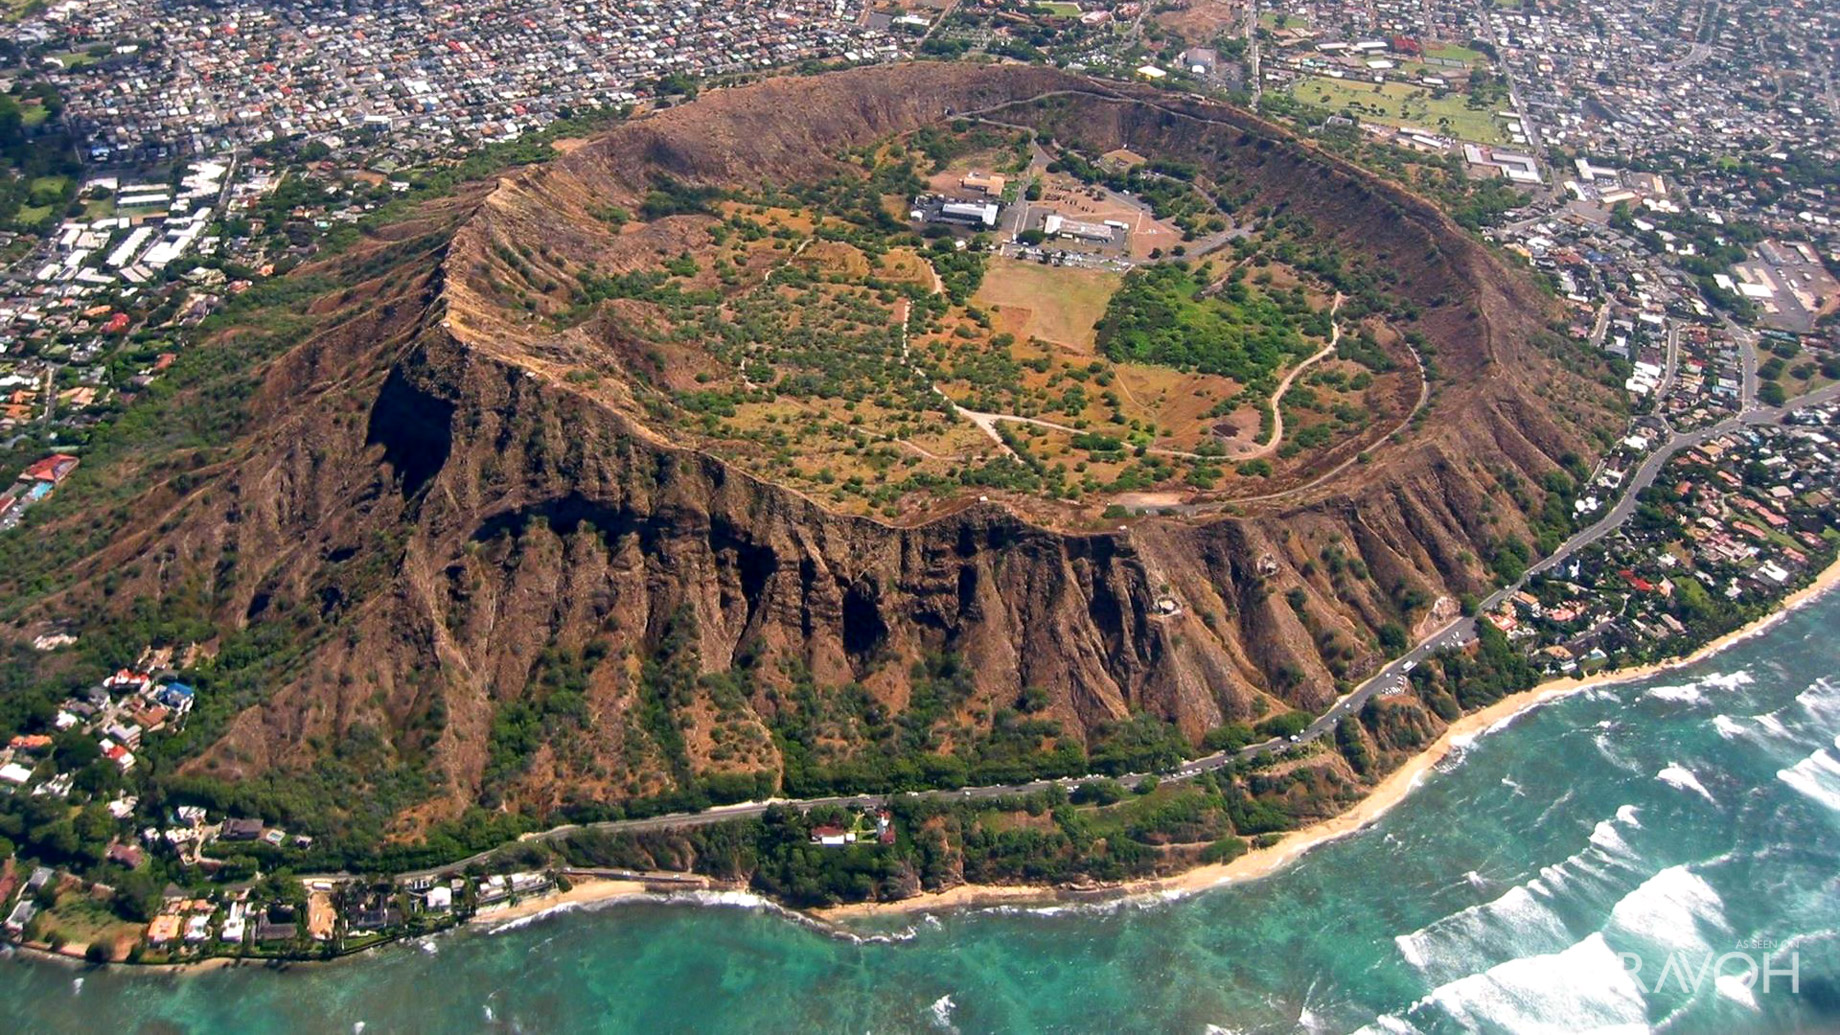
x=54, y=469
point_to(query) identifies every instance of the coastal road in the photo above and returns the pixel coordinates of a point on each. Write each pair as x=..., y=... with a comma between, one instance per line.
x=1389, y=678
x=1462, y=631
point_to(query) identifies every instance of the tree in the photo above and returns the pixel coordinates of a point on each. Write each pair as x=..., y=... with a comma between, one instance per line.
x=137, y=897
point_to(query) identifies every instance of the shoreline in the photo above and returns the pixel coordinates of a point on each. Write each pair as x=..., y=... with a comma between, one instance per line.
x=583, y=891
x=588, y=890
x=1389, y=792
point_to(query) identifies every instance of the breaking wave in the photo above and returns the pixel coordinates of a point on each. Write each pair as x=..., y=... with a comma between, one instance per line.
x=1680, y=777
x=1523, y=919
x=1816, y=777
x=941, y=1013
x=1581, y=988
x=1669, y=910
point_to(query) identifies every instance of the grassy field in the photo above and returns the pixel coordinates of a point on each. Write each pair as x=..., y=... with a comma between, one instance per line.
x=1060, y=10
x=1052, y=303
x=1274, y=20
x=1402, y=104
x=82, y=920
x=1454, y=52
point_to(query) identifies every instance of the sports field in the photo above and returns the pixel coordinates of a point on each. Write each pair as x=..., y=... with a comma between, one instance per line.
x=1402, y=104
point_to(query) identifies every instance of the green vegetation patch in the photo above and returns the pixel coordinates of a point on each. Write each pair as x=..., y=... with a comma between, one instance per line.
x=1173, y=315
x=1465, y=116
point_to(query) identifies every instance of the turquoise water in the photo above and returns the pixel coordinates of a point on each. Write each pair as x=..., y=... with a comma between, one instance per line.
x=1692, y=814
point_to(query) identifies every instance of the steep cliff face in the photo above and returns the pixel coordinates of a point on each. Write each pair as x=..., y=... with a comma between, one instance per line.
x=505, y=582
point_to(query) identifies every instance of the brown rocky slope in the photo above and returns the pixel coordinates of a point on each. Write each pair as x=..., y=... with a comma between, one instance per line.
x=444, y=526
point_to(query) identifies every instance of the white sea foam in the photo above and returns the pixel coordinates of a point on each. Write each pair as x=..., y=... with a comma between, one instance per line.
x=1671, y=910
x=1737, y=988
x=1387, y=1024
x=76, y=986
x=1581, y=988
x=731, y=899
x=1794, y=942
x=1602, y=741
x=1816, y=777
x=941, y=1011
x=1695, y=693
x=1523, y=919
x=1685, y=693
x=1821, y=700
x=1148, y=900
x=1769, y=723
x=1605, y=836
x=1680, y=777
x=1728, y=727
x=1557, y=803
x=1508, y=924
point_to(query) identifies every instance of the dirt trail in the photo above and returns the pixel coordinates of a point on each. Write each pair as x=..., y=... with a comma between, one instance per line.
x=987, y=422
x=1277, y=397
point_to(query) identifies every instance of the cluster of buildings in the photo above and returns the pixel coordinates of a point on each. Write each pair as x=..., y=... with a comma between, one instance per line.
x=178, y=78
x=74, y=292
x=1736, y=103
x=117, y=713
x=1744, y=515
x=966, y=213
x=288, y=918
x=77, y=300
x=1639, y=289
x=323, y=915
x=1624, y=79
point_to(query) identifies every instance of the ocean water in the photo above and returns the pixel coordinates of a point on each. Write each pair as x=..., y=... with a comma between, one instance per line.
x=1674, y=820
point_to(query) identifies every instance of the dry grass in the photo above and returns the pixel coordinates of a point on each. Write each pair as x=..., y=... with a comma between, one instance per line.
x=1053, y=303
x=906, y=266
x=829, y=257
x=1202, y=20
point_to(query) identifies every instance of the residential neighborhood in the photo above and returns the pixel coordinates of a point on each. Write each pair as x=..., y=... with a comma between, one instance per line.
x=1661, y=176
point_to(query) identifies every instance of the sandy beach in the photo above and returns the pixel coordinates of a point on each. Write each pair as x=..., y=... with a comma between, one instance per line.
x=586, y=889
x=1386, y=794
x=582, y=891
